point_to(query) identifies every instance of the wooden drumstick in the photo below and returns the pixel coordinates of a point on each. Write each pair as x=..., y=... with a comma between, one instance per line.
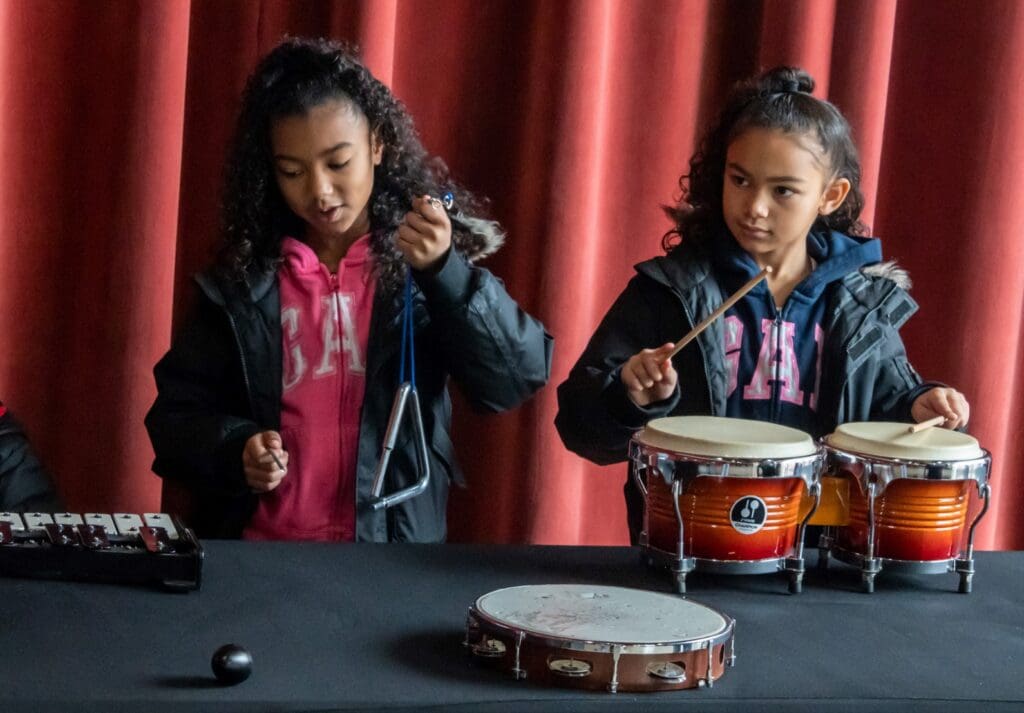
x=720, y=311
x=937, y=421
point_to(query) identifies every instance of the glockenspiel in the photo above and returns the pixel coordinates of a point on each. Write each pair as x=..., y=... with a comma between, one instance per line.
x=124, y=548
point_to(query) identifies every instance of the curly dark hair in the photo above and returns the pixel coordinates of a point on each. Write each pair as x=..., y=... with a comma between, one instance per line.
x=777, y=99
x=296, y=76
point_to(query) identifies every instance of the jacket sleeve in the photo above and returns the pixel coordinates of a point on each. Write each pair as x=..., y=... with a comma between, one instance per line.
x=498, y=354
x=25, y=485
x=200, y=420
x=596, y=417
x=896, y=383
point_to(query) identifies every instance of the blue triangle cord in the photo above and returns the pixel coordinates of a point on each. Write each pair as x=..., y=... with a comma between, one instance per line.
x=407, y=335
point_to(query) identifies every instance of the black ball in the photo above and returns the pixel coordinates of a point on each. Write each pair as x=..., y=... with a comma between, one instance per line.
x=231, y=664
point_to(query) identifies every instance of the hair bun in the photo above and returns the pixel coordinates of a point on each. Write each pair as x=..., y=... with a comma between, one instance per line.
x=787, y=79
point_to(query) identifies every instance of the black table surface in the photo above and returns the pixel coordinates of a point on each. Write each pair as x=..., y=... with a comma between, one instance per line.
x=380, y=627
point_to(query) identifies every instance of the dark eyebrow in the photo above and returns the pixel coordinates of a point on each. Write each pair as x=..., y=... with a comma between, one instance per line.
x=325, y=152
x=771, y=179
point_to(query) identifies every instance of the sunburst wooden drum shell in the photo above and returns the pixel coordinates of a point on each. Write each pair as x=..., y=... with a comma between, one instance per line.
x=922, y=484
x=723, y=467
x=708, y=532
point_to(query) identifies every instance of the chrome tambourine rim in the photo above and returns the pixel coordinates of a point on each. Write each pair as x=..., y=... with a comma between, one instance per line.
x=722, y=635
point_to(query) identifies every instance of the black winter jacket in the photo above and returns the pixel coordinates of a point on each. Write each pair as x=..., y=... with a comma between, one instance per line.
x=867, y=374
x=24, y=484
x=221, y=383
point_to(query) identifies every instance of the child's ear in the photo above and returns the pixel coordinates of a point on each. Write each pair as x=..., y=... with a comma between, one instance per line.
x=377, y=149
x=834, y=195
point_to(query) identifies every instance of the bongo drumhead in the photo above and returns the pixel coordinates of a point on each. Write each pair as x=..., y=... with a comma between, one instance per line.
x=717, y=437
x=887, y=439
x=610, y=615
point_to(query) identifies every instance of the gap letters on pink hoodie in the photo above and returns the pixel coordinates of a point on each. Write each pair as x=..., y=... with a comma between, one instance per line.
x=325, y=327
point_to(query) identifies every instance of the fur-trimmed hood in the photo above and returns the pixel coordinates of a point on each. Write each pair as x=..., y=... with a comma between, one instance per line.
x=476, y=238
x=890, y=271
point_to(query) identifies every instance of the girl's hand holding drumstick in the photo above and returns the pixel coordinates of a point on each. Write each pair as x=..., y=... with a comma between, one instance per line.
x=942, y=401
x=649, y=375
x=265, y=461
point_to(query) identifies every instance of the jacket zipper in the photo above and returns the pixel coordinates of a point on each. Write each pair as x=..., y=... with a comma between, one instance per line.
x=774, y=345
x=336, y=293
x=335, y=288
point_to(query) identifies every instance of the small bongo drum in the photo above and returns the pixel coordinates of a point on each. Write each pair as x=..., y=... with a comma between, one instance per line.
x=908, y=499
x=725, y=494
x=600, y=638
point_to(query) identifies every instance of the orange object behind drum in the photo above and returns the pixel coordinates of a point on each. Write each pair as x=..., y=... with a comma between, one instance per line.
x=914, y=520
x=708, y=530
x=834, y=507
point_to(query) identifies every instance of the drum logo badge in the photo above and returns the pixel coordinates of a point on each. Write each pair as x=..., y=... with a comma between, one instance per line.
x=748, y=514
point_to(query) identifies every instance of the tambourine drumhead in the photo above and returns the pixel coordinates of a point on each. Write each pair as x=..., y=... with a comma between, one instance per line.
x=614, y=615
x=719, y=437
x=894, y=440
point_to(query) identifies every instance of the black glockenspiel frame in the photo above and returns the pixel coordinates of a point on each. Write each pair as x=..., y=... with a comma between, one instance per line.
x=90, y=553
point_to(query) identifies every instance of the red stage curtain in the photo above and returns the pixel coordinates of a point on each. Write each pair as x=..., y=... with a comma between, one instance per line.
x=575, y=118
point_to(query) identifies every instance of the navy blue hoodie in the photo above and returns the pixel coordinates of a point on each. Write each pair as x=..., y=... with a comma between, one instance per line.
x=775, y=355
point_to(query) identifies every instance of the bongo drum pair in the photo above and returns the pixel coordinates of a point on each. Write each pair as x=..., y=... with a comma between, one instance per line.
x=735, y=496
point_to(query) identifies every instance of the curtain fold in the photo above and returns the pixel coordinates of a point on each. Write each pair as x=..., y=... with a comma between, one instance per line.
x=575, y=118
x=93, y=102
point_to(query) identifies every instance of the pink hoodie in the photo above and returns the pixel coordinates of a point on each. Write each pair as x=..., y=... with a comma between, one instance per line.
x=325, y=326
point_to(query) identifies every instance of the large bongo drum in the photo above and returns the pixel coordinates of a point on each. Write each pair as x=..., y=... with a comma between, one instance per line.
x=725, y=494
x=909, y=495
x=599, y=637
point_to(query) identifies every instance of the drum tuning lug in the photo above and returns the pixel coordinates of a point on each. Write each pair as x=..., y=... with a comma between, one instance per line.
x=870, y=567
x=868, y=582
x=795, y=570
x=613, y=685
x=965, y=568
x=518, y=671
x=680, y=582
